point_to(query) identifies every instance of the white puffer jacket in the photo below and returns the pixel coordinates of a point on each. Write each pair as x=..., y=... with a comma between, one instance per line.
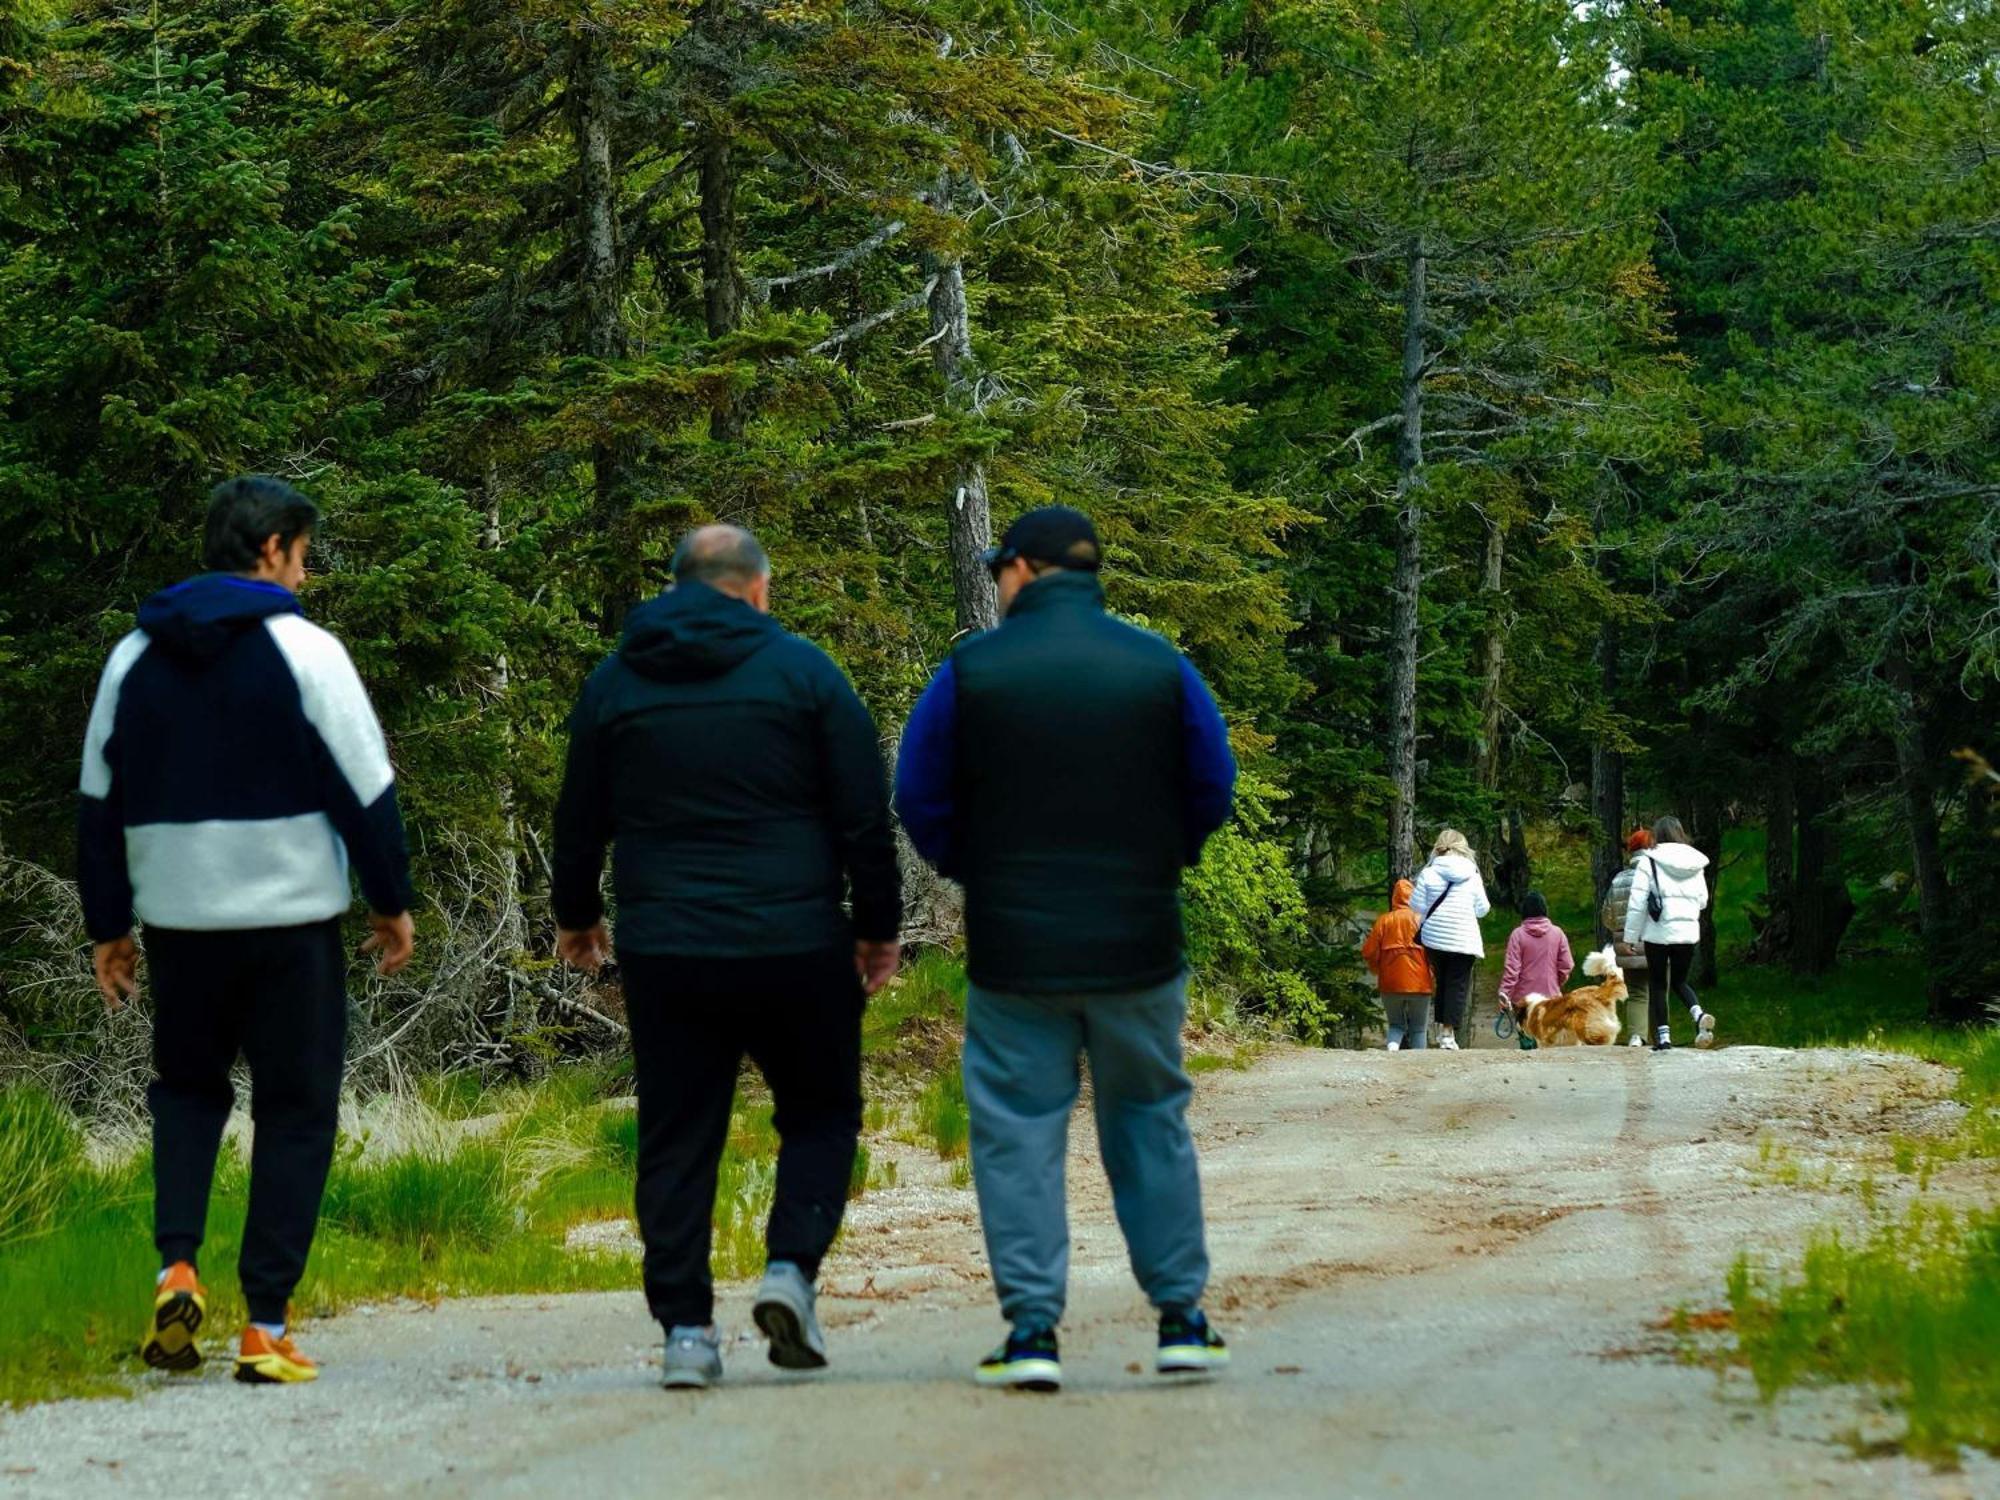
x=1451, y=898
x=1683, y=889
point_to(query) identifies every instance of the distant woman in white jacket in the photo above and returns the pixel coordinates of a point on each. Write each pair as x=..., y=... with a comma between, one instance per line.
x=1663, y=911
x=1450, y=898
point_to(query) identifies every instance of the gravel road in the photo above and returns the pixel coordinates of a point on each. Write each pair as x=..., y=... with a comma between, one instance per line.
x=1441, y=1275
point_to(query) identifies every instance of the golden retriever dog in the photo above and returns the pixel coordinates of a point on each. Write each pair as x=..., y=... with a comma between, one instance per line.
x=1588, y=1016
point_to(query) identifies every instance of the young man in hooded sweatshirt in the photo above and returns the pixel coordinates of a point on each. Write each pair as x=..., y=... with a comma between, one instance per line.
x=741, y=780
x=1669, y=876
x=233, y=772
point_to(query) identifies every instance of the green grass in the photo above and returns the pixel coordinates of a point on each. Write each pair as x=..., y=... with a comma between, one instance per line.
x=434, y=1208
x=1912, y=1307
x=931, y=988
x=942, y=1119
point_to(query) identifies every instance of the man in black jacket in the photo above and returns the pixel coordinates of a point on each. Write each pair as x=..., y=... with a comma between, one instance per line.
x=740, y=779
x=1065, y=767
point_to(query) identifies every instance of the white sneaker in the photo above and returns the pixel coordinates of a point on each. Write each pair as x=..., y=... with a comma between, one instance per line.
x=1395, y=1046
x=1637, y=1040
x=1448, y=1040
x=1704, y=1035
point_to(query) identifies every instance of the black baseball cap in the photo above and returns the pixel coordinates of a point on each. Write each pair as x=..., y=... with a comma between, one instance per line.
x=1057, y=534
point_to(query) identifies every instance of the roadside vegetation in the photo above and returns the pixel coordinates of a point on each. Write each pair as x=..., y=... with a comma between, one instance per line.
x=1910, y=1303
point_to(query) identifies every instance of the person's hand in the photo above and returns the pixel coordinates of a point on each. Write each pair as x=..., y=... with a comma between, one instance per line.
x=584, y=949
x=117, y=966
x=391, y=940
x=877, y=963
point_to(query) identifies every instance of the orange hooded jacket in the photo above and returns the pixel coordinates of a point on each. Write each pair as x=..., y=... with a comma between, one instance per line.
x=1393, y=951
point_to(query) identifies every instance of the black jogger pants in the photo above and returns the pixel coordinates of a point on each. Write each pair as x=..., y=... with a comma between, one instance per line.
x=798, y=1017
x=276, y=996
x=1667, y=968
x=1453, y=972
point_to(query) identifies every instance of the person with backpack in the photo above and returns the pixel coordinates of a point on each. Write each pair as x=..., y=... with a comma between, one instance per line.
x=1611, y=917
x=1538, y=957
x=1450, y=898
x=233, y=775
x=1663, y=911
x=1395, y=956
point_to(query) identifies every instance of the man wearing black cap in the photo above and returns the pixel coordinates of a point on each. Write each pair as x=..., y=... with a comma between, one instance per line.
x=1065, y=767
x=740, y=779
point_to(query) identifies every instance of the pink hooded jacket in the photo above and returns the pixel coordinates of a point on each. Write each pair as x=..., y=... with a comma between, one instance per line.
x=1538, y=960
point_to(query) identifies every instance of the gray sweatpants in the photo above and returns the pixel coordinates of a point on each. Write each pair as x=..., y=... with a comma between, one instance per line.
x=1021, y=1080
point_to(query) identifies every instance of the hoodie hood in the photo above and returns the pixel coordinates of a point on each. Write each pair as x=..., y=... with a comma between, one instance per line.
x=693, y=631
x=197, y=620
x=1536, y=926
x=1400, y=897
x=1679, y=860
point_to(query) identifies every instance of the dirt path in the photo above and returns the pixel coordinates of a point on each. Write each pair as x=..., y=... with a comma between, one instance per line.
x=1438, y=1273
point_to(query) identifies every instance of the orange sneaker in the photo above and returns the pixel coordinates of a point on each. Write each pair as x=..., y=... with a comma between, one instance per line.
x=263, y=1360
x=180, y=1302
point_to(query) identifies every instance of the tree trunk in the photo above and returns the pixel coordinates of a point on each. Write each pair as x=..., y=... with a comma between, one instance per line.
x=1705, y=813
x=968, y=514
x=592, y=101
x=1821, y=906
x=1406, y=590
x=721, y=284
x=1780, y=833
x=1494, y=660
x=1915, y=768
x=511, y=915
x=1607, y=783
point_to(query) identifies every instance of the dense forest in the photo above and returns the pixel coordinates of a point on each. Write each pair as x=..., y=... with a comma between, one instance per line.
x=1530, y=416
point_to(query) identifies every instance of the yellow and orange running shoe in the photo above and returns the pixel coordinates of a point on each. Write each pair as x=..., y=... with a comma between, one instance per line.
x=263, y=1360
x=179, y=1304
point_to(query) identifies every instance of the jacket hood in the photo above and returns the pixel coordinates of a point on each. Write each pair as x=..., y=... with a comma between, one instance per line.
x=1536, y=926
x=1680, y=860
x=1400, y=897
x=693, y=631
x=196, y=620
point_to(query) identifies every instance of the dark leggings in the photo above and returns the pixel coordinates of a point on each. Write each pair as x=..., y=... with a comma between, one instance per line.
x=1454, y=983
x=1667, y=969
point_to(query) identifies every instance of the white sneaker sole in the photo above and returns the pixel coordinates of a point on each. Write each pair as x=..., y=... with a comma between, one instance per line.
x=1705, y=1031
x=1191, y=1359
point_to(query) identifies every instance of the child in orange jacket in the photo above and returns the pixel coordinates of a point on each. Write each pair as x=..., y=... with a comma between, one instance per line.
x=1395, y=956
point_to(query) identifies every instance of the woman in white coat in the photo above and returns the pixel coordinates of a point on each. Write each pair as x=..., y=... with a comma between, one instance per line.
x=1450, y=898
x=1663, y=911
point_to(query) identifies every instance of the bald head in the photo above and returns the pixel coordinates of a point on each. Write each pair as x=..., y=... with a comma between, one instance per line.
x=726, y=558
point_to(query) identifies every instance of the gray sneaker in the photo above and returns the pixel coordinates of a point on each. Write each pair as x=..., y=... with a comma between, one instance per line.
x=693, y=1359
x=784, y=1311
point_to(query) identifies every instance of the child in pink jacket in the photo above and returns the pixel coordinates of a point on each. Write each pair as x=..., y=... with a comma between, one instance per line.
x=1538, y=957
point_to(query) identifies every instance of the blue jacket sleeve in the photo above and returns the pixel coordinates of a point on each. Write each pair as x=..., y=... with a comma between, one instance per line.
x=1211, y=769
x=927, y=772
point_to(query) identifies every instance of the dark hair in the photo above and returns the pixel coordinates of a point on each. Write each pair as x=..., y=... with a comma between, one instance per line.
x=1534, y=904
x=244, y=513
x=1669, y=831
x=719, y=554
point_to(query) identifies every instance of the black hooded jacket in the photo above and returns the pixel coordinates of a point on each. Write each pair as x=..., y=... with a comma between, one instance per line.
x=739, y=778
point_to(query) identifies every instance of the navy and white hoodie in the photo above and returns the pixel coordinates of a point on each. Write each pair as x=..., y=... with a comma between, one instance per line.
x=232, y=768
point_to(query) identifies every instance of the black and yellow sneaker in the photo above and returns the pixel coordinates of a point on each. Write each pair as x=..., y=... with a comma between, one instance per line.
x=1188, y=1346
x=180, y=1302
x=265, y=1360
x=1028, y=1361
